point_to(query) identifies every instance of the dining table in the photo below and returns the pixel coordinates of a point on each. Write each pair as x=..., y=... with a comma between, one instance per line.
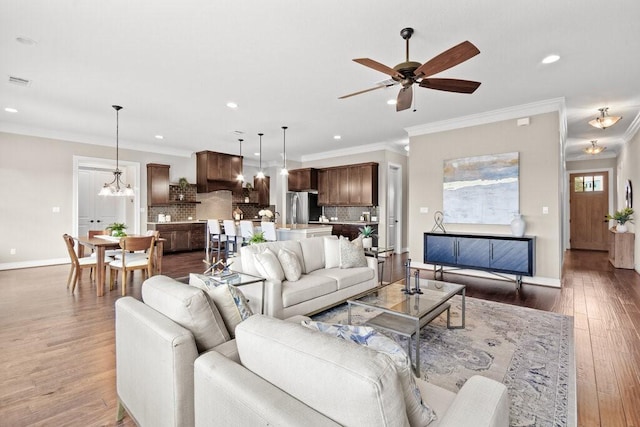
x=100, y=244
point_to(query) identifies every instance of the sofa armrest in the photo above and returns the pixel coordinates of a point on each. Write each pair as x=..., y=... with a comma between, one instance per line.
x=273, y=298
x=154, y=365
x=373, y=263
x=480, y=402
x=240, y=397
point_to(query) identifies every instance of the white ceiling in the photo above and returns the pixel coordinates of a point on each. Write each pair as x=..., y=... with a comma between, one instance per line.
x=174, y=65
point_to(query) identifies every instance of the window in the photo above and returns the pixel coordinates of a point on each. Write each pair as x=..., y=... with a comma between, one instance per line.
x=588, y=183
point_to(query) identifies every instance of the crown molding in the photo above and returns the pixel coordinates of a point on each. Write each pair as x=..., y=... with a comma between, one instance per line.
x=632, y=130
x=359, y=149
x=518, y=111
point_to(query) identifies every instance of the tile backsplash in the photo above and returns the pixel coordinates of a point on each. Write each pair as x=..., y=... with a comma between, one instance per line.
x=349, y=213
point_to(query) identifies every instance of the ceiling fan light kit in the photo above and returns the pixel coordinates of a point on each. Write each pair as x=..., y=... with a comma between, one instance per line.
x=604, y=120
x=114, y=188
x=594, y=148
x=409, y=72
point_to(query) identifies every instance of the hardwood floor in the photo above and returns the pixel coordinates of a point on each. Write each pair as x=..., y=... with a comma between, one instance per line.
x=57, y=357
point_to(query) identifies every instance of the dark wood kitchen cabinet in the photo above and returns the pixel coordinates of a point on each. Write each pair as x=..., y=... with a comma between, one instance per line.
x=262, y=187
x=217, y=171
x=303, y=179
x=323, y=187
x=157, y=184
x=181, y=236
x=352, y=185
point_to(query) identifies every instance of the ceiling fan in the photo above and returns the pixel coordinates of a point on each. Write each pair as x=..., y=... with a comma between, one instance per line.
x=409, y=72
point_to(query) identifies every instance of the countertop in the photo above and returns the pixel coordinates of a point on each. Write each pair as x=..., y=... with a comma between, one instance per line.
x=345, y=222
x=195, y=221
x=302, y=226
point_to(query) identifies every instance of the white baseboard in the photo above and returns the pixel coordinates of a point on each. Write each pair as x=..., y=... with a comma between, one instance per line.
x=30, y=264
x=535, y=280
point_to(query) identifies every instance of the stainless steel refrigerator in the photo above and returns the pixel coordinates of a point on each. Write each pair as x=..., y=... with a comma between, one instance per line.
x=302, y=207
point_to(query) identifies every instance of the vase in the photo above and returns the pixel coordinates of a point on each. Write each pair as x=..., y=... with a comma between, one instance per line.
x=266, y=218
x=518, y=225
x=621, y=228
x=367, y=242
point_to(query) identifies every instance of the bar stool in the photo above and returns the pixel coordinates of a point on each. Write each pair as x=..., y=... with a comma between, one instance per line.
x=246, y=230
x=215, y=236
x=269, y=231
x=232, y=237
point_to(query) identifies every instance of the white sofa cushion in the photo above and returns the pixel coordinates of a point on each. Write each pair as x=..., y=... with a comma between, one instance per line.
x=313, y=253
x=418, y=413
x=346, y=277
x=188, y=307
x=290, y=265
x=229, y=300
x=308, y=287
x=247, y=252
x=351, y=384
x=268, y=265
x=331, y=253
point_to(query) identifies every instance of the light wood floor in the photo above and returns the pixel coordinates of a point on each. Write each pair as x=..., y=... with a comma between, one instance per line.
x=57, y=363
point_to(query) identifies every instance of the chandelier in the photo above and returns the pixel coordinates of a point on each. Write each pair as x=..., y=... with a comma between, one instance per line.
x=284, y=170
x=114, y=188
x=594, y=148
x=260, y=172
x=240, y=176
x=604, y=120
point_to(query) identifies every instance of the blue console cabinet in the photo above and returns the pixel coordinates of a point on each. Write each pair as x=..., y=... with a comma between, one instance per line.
x=493, y=253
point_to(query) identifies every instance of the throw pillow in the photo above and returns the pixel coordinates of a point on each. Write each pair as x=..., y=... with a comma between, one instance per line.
x=268, y=265
x=418, y=413
x=331, y=253
x=230, y=301
x=290, y=265
x=351, y=253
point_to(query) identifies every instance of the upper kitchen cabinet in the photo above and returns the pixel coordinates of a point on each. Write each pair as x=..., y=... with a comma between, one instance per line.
x=217, y=171
x=352, y=185
x=157, y=184
x=261, y=186
x=303, y=179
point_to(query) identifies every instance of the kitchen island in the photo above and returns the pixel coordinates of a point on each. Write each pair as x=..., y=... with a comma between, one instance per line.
x=302, y=231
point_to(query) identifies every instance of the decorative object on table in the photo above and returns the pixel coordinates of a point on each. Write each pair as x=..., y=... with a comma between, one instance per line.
x=256, y=237
x=518, y=225
x=266, y=215
x=237, y=214
x=117, y=229
x=621, y=217
x=438, y=218
x=407, y=278
x=481, y=189
x=417, y=289
x=628, y=195
x=113, y=188
x=604, y=120
x=368, y=233
x=183, y=184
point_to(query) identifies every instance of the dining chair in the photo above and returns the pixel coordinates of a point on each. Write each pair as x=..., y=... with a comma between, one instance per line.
x=232, y=237
x=142, y=254
x=214, y=240
x=269, y=231
x=128, y=262
x=246, y=230
x=110, y=252
x=77, y=264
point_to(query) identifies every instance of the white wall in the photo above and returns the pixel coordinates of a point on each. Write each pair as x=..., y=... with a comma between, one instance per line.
x=540, y=183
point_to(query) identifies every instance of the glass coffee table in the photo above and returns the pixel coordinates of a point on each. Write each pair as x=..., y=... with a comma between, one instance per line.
x=405, y=314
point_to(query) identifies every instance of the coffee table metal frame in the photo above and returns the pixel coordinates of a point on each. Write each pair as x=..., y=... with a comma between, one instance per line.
x=405, y=315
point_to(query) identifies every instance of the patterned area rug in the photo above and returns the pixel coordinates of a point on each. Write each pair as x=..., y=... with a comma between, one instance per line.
x=530, y=351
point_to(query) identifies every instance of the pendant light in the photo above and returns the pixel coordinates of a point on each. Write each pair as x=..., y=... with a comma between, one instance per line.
x=594, y=148
x=604, y=120
x=284, y=170
x=260, y=172
x=240, y=176
x=113, y=188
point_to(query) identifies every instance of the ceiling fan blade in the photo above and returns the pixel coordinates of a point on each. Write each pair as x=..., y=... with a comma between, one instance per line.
x=378, y=67
x=450, y=85
x=405, y=98
x=363, y=91
x=447, y=59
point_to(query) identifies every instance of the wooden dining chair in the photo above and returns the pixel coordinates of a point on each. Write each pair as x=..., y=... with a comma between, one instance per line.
x=77, y=264
x=128, y=262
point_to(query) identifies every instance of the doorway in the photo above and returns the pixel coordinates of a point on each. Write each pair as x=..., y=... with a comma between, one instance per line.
x=394, y=208
x=588, y=205
x=89, y=175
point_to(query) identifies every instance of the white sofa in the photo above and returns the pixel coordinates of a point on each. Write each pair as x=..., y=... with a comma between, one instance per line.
x=290, y=376
x=317, y=289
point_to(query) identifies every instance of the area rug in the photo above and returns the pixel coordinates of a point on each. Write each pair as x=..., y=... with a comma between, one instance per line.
x=530, y=351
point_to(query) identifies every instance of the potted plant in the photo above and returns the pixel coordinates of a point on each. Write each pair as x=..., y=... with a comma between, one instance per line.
x=266, y=215
x=621, y=217
x=257, y=237
x=368, y=233
x=117, y=229
x=183, y=184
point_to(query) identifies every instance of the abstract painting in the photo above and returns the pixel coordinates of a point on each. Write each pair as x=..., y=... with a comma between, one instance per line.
x=481, y=190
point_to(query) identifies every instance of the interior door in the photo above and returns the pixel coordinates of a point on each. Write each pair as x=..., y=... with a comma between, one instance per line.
x=588, y=204
x=96, y=212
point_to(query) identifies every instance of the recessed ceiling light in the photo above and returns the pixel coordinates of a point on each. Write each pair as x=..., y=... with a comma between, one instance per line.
x=159, y=137
x=336, y=137
x=550, y=59
x=392, y=102
x=256, y=154
x=26, y=40
x=232, y=105
x=406, y=147
x=10, y=110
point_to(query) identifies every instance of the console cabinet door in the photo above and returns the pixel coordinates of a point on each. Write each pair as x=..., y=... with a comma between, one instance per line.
x=510, y=255
x=440, y=250
x=473, y=252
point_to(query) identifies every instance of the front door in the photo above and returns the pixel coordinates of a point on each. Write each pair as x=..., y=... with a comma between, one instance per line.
x=588, y=204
